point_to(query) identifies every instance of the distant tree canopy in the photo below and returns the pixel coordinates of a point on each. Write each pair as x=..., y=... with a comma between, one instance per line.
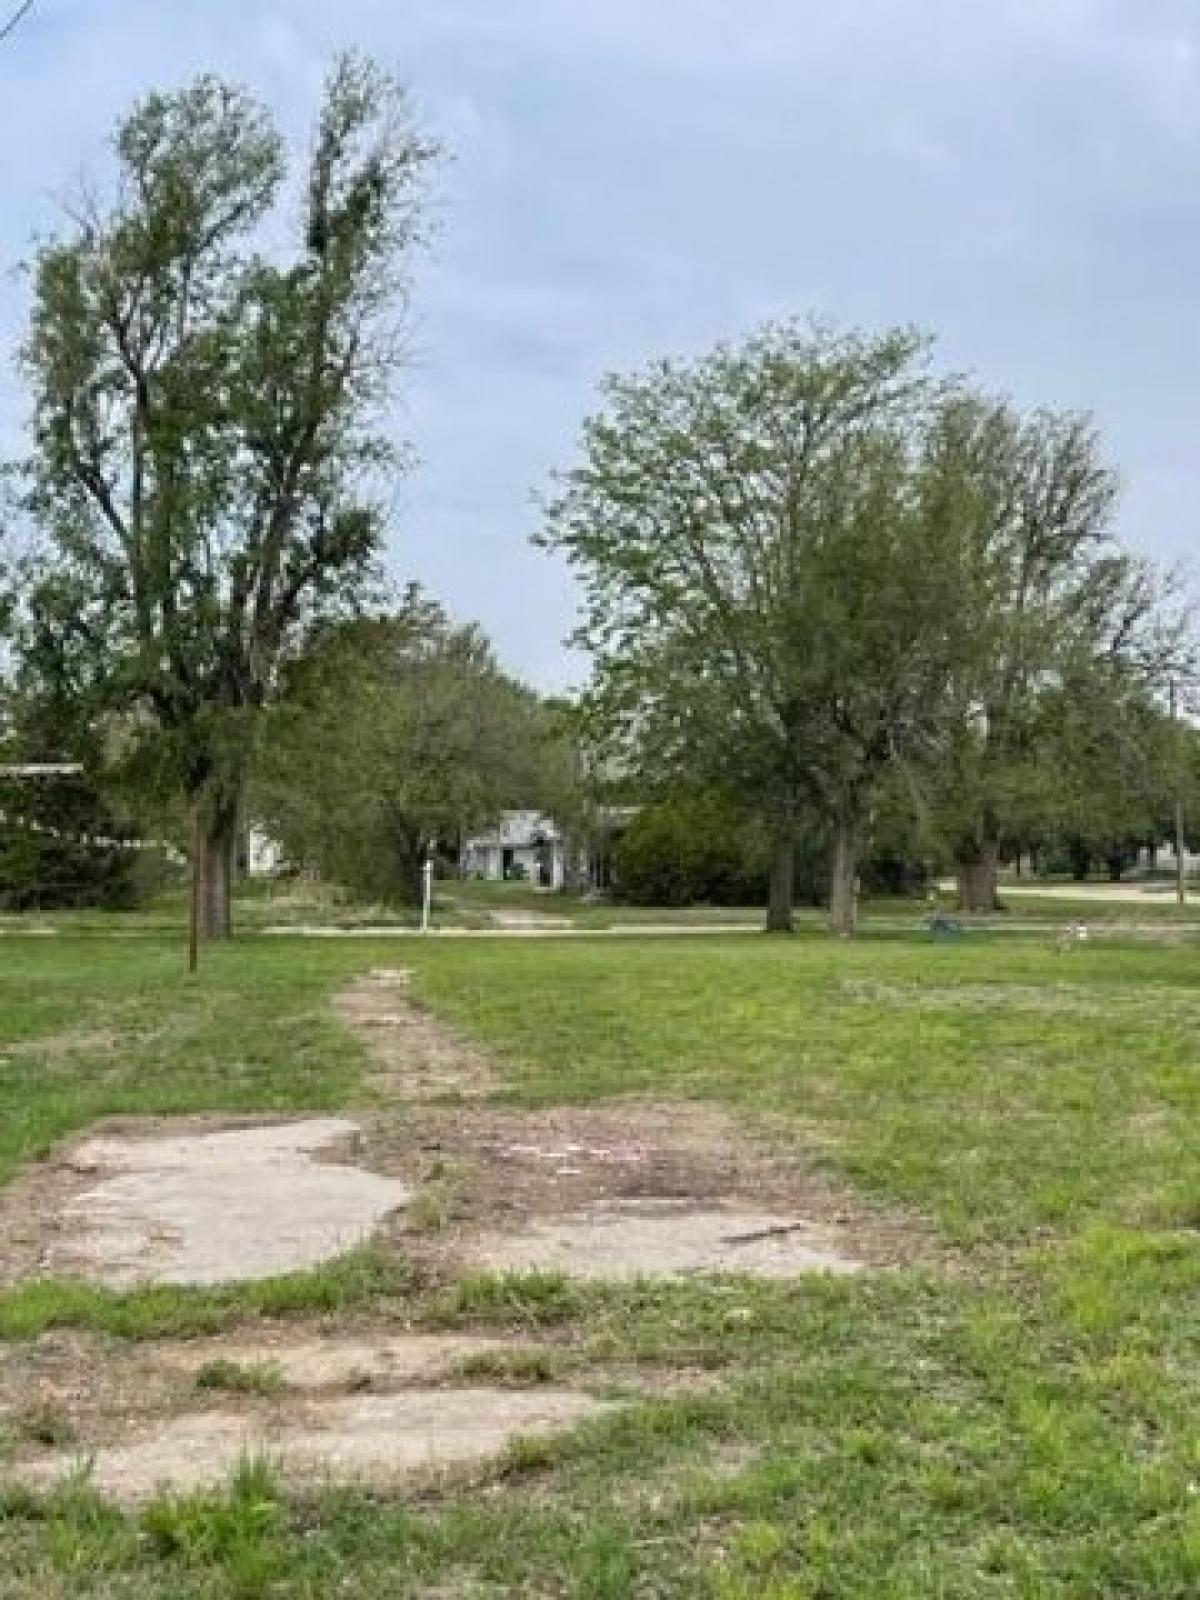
x=808, y=567
x=692, y=846
x=63, y=846
x=207, y=465
x=65, y=839
x=397, y=736
x=771, y=570
x=1109, y=766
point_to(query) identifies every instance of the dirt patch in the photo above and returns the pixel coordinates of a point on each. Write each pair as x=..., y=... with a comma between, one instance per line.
x=505, y=1181
x=378, y=1439
x=354, y=1362
x=649, y=1238
x=415, y=1057
x=197, y=1206
x=72, y=1041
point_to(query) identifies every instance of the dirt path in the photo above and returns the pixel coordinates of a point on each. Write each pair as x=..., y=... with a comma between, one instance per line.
x=414, y=1056
x=510, y=930
x=519, y=921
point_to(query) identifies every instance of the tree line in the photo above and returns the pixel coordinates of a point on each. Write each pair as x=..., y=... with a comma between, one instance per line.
x=836, y=594
x=817, y=575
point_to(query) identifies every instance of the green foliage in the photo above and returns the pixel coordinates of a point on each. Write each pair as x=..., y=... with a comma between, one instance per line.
x=773, y=569
x=697, y=848
x=61, y=845
x=1007, y=1409
x=236, y=1532
x=362, y=1277
x=240, y=1377
x=205, y=468
x=400, y=735
x=692, y=849
x=1070, y=633
x=65, y=839
x=1118, y=765
x=808, y=570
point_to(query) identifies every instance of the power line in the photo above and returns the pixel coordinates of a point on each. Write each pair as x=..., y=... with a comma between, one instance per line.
x=16, y=19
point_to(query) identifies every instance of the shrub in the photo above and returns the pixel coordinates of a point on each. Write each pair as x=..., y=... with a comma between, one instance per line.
x=690, y=849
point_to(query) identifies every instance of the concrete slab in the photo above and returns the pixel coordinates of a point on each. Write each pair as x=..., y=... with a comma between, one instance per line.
x=376, y=1439
x=209, y=1208
x=647, y=1238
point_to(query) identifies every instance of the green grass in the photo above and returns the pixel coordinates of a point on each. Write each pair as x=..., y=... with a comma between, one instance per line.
x=1004, y=1088
x=1025, y=1424
x=91, y=1027
x=363, y=1277
x=240, y=1377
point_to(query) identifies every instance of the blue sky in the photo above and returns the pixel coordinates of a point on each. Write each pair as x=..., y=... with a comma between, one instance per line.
x=636, y=177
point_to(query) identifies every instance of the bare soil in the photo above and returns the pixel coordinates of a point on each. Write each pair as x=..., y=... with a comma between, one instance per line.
x=414, y=1056
x=658, y=1187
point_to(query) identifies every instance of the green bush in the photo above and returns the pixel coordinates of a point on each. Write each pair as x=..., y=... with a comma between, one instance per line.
x=691, y=849
x=699, y=849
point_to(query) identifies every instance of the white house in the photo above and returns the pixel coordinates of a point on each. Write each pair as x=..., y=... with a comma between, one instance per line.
x=524, y=845
x=1162, y=860
x=264, y=858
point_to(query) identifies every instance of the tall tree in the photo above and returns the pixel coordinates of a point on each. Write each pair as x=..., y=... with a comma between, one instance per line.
x=207, y=464
x=770, y=578
x=1051, y=596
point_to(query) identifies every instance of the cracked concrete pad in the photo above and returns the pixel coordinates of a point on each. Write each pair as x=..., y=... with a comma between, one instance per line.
x=376, y=1439
x=332, y=1363
x=651, y=1239
x=209, y=1208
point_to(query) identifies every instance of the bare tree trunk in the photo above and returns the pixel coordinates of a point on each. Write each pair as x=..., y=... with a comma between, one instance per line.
x=979, y=879
x=843, y=879
x=783, y=882
x=216, y=878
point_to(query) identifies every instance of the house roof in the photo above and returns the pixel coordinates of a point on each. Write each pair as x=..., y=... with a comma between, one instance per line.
x=517, y=830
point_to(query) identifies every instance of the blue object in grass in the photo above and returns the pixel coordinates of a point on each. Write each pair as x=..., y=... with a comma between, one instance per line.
x=943, y=927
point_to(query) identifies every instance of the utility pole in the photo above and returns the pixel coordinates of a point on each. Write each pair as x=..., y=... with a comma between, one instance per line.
x=1180, y=865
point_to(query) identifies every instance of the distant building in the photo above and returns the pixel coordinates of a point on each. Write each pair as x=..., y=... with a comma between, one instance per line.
x=1161, y=859
x=263, y=857
x=523, y=845
x=530, y=847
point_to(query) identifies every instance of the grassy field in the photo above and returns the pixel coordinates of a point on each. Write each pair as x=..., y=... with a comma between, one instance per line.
x=1022, y=1422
